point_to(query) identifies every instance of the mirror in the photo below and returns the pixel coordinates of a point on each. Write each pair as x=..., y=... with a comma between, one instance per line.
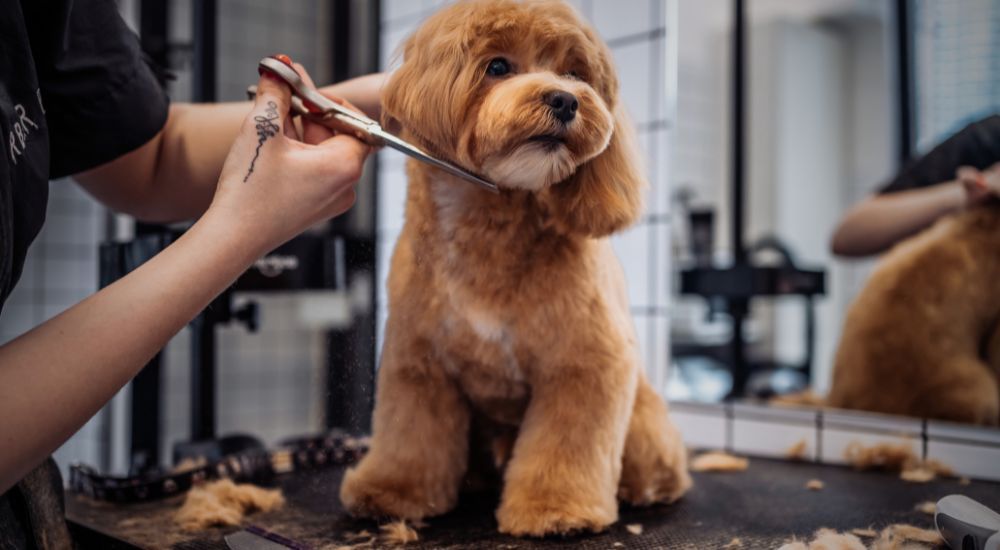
x=836, y=93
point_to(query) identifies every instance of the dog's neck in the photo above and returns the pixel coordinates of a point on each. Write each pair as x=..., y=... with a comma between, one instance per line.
x=458, y=206
x=456, y=202
x=471, y=226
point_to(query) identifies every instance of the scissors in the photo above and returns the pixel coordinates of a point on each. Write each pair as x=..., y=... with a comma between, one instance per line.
x=308, y=102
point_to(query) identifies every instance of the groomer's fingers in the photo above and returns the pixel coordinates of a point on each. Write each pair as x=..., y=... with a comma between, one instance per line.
x=970, y=177
x=312, y=132
x=976, y=190
x=991, y=177
x=348, y=145
x=272, y=90
x=348, y=104
x=276, y=87
x=344, y=154
x=269, y=115
x=966, y=172
x=293, y=129
x=343, y=202
x=343, y=102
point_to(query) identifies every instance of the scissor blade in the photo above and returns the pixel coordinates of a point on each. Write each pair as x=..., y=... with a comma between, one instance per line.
x=413, y=151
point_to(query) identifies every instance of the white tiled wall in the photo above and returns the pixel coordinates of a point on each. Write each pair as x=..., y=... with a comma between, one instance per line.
x=251, y=29
x=638, y=34
x=956, y=65
x=973, y=451
x=703, y=426
x=773, y=432
x=768, y=431
x=842, y=429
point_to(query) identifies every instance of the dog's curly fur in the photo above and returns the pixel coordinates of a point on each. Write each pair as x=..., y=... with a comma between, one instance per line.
x=508, y=329
x=923, y=337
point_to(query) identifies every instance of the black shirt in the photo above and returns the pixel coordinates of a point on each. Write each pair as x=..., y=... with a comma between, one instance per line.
x=75, y=93
x=976, y=145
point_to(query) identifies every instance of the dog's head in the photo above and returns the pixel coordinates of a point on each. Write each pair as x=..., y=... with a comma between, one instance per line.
x=524, y=93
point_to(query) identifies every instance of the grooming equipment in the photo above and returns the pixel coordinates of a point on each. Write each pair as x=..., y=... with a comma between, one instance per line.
x=966, y=524
x=299, y=454
x=727, y=287
x=309, y=103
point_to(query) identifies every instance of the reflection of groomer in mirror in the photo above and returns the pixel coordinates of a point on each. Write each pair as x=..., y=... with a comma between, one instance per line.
x=76, y=97
x=922, y=336
x=960, y=172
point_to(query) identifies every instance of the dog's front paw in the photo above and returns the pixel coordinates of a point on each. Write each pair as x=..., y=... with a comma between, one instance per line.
x=656, y=476
x=407, y=496
x=542, y=516
x=654, y=464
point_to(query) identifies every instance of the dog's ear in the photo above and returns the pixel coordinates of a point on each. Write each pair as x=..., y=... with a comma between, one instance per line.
x=429, y=78
x=395, y=105
x=604, y=195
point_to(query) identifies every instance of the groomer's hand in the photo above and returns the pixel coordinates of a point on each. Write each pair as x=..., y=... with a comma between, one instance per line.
x=274, y=185
x=979, y=185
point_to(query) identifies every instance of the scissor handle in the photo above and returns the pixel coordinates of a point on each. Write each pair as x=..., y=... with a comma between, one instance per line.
x=308, y=102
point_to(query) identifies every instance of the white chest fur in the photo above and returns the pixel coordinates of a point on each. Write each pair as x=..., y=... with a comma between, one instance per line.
x=491, y=331
x=484, y=362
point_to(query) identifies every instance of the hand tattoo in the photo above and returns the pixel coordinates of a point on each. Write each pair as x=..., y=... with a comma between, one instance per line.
x=265, y=129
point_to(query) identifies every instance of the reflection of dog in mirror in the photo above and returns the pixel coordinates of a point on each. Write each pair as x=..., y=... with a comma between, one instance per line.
x=509, y=333
x=923, y=337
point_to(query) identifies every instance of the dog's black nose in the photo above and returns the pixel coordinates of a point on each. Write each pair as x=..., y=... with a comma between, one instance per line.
x=563, y=105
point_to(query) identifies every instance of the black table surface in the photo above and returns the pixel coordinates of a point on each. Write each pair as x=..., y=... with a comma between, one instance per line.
x=764, y=507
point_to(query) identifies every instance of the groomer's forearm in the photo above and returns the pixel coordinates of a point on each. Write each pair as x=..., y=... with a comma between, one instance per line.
x=173, y=176
x=57, y=376
x=881, y=221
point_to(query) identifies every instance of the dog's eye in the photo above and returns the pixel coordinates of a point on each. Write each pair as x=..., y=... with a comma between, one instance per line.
x=574, y=75
x=498, y=66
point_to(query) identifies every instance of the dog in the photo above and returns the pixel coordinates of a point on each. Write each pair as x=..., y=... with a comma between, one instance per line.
x=509, y=345
x=923, y=337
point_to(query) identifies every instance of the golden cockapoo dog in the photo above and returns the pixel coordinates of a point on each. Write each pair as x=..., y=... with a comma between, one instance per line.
x=508, y=330
x=922, y=338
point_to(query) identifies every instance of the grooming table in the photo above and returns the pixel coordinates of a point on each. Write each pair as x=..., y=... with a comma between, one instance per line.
x=763, y=506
